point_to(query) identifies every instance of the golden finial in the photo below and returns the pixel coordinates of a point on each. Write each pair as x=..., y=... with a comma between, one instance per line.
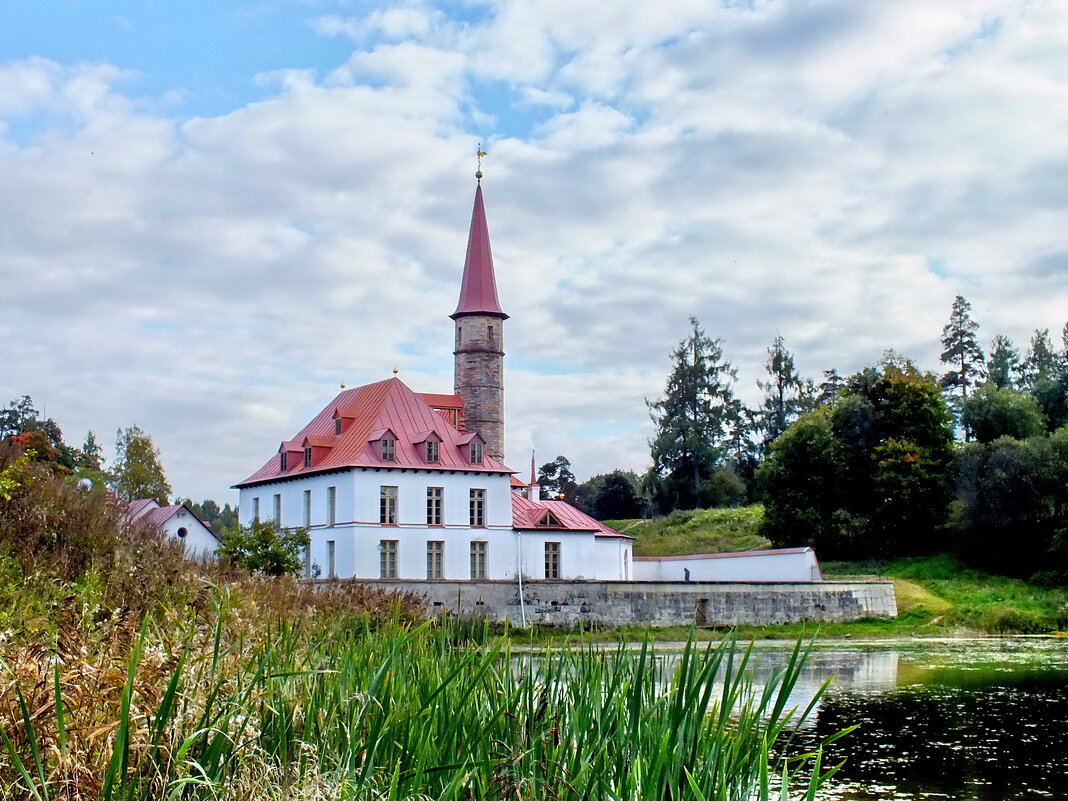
x=342, y=386
x=481, y=153
x=395, y=370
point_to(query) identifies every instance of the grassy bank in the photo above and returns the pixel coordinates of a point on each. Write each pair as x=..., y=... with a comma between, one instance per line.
x=696, y=531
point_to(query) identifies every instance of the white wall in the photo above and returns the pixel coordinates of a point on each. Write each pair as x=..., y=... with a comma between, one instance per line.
x=199, y=543
x=773, y=565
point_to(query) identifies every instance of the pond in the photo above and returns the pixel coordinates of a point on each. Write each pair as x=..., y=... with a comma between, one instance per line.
x=975, y=720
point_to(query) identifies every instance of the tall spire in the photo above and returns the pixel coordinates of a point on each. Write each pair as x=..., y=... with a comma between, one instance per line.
x=478, y=291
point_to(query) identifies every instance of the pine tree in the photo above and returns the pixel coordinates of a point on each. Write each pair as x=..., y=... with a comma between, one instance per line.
x=832, y=384
x=786, y=395
x=962, y=353
x=693, y=418
x=1003, y=363
x=1041, y=360
x=138, y=472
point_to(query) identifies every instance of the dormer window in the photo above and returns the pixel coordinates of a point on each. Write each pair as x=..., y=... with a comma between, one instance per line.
x=433, y=451
x=476, y=452
x=308, y=456
x=337, y=426
x=549, y=519
x=282, y=461
x=389, y=450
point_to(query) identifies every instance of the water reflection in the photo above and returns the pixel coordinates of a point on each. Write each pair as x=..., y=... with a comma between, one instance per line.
x=979, y=720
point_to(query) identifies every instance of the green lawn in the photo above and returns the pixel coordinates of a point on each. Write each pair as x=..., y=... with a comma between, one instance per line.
x=696, y=531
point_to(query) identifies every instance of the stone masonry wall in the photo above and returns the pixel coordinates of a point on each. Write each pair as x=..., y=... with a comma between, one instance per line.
x=656, y=603
x=479, y=378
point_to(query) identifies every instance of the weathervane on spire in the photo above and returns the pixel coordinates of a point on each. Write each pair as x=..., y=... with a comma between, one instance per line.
x=481, y=153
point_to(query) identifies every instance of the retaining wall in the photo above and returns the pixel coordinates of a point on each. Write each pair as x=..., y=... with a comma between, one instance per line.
x=655, y=603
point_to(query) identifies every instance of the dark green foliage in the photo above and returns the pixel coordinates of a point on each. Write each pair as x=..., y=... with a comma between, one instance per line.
x=138, y=472
x=1011, y=508
x=1041, y=361
x=693, y=421
x=218, y=519
x=962, y=353
x=556, y=479
x=866, y=478
x=22, y=427
x=610, y=496
x=1003, y=364
x=1051, y=393
x=829, y=388
x=264, y=547
x=786, y=394
x=992, y=412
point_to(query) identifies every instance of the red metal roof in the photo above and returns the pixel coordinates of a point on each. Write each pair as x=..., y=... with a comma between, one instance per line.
x=478, y=292
x=385, y=405
x=526, y=513
x=147, y=513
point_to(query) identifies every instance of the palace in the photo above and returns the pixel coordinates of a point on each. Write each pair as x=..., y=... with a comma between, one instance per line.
x=397, y=484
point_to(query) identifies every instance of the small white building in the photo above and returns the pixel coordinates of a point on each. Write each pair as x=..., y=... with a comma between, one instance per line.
x=179, y=522
x=774, y=564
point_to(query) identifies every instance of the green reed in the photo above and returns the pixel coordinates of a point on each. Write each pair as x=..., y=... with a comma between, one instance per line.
x=405, y=712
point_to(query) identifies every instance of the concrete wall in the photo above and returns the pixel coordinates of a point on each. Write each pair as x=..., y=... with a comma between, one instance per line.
x=781, y=564
x=653, y=603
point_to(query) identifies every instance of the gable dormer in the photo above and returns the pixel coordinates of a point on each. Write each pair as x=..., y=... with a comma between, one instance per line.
x=428, y=445
x=316, y=449
x=472, y=448
x=384, y=443
x=289, y=455
x=343, y=418
x=549, y=520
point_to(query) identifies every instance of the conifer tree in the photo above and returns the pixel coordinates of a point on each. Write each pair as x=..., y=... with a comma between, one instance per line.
x=786, y=395
x=692, y=419
x=962, y=353
x=1041, y=360
x=832, y=384
x=1003, y=363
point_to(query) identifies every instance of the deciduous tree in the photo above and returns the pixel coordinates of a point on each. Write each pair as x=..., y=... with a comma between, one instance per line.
x=265, y=547
x=138, y=472
x=556, y=479
x=992, y=412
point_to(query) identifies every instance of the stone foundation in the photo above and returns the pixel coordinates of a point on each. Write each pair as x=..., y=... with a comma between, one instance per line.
x=655, y=603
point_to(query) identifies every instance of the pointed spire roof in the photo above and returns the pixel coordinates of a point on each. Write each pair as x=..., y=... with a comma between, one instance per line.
x=478, y=292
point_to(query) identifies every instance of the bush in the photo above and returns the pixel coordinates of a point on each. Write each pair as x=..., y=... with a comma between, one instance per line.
x=264, y=547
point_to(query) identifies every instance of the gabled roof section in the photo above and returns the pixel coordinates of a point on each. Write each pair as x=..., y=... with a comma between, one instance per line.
x=384, y=406
x=531, y=515
x=478, y=291
x=157, y=516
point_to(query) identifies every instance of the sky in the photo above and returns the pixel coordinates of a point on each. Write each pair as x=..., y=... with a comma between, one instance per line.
x=213, y=214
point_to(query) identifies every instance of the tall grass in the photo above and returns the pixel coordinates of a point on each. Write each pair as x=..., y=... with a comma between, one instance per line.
x=397, y=712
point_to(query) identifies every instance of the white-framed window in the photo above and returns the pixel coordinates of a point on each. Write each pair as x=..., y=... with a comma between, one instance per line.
x=435, y=505
x=435, y=559
x=308, y=457
x=387, y=559
x=433, y=451
x=278, y=509
x=282, y=461
x=255, y=510
x=331, y=505
x=389, y=450
x=478, y=507
x=307, y=508
x=552, y=560
x=331, y=559
x=478, y=559
x=387, y=506
x=476, y=452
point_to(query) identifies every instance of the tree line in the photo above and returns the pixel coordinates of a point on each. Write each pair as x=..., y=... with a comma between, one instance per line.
x=135, y=472
x=891, y=460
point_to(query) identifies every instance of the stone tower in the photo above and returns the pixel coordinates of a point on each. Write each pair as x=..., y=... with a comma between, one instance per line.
x=478, y=376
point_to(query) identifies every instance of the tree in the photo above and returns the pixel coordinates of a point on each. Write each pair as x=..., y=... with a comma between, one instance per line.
x=42, y=435
x=556, y=479
x=138, y=472
x=992, y=412
x=265, y=547
x=786, y=395
x=1041, y=361
x=1003, y=363
x=692, y=419
x=218, y=519
x=829, y=388
x=610, y=496
x=962, y=352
